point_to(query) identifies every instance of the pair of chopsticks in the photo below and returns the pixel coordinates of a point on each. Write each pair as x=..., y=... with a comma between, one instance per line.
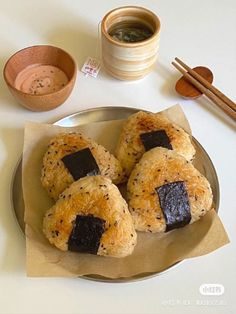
x=222, y=101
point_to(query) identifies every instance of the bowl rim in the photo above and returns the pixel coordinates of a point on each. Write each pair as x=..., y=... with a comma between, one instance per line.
x=125, y=44
x=42, y=95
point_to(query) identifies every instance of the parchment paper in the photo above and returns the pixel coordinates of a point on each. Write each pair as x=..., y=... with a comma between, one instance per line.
x=153, y=252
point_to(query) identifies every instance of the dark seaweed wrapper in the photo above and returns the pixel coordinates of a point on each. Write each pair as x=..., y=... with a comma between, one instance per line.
x=81, y=164
x=86, y=234
x=155, y=139
x=174, y=203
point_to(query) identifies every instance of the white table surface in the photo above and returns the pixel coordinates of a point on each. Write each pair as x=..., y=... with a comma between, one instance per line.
x=202, y=33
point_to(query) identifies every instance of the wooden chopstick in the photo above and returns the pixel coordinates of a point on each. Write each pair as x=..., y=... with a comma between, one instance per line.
x=215, y=98
x=208, y=85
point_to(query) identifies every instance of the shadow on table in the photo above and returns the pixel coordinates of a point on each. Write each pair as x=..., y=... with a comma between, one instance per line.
x=80, y=40
x=13, y=259
x=214, y=110
x=169, y=78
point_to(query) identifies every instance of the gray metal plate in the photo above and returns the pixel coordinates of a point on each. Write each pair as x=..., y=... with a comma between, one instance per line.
x=202, y=162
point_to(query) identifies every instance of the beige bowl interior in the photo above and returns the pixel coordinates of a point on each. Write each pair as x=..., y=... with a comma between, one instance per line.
x=47, y=55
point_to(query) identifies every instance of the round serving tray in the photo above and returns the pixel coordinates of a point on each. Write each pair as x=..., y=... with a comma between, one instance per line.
x=202, y=162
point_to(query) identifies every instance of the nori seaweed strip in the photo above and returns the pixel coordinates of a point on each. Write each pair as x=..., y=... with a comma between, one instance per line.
x=86, y=234
x=81, y=164
x=174, y=203
x=155, y=139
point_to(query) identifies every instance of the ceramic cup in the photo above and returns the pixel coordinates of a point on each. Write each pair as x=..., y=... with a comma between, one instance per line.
x=129, y=60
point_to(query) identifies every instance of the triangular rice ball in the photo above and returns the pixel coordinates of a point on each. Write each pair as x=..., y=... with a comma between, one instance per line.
x=71, y=156
x=91, y=217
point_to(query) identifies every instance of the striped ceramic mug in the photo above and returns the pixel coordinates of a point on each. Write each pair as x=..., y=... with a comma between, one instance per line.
x=130, y=59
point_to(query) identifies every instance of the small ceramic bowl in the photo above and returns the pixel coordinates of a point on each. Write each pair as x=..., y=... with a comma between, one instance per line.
x=40, y=55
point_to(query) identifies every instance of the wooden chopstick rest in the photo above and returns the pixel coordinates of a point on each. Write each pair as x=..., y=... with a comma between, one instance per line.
x=184, y=88
x=208, y=85
x=222, y=101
